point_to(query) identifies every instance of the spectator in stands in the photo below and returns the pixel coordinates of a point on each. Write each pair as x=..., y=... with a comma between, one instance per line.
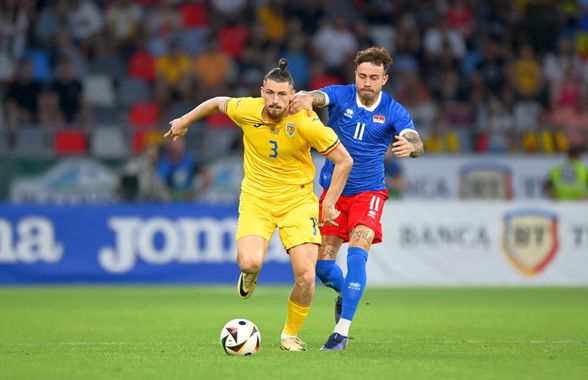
x=272, y=16
x=186, y=179
x=141, y=63
x=557, y=63
x=568, y=181
x=69, y=92
x=572, y=120
x=21, y=100
x=140, y=180
x=526, y=74
x=122, y=20
x=496, y=122
x=213, y=66
x=86, y=20
x=335, y=32
x=173, y=71
x=50, y=20
x=15, y=20
x=64, y=48
x=566, y=92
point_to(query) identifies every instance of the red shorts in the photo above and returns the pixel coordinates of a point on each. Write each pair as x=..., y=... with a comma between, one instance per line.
x=363, y=208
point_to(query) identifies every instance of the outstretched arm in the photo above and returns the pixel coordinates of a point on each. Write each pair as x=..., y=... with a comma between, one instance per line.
x=408, y=145
x=179, y=126
x=343, y=163
x=304, y=100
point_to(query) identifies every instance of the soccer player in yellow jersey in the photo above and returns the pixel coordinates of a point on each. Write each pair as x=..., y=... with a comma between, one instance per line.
x=277, y=188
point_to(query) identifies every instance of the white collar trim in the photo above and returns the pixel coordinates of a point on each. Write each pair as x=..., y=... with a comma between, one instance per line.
x=373, y=106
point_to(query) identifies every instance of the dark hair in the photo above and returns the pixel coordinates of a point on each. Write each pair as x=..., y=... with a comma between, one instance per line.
x=280, y=74
x=377, y=56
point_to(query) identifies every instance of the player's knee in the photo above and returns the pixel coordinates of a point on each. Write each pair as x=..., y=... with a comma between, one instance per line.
x=249, y=264
x=305, y=279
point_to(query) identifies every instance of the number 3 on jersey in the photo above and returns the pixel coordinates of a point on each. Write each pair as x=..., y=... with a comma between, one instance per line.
x=274, y=149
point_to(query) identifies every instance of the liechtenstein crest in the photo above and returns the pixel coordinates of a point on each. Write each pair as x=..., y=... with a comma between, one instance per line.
x=530, y=239
x=290, y=129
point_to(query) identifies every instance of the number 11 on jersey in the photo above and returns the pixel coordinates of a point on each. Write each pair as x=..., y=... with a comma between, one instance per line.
x=359, y=129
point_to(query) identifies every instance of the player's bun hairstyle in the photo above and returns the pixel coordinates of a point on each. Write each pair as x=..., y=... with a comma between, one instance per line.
x=377, y=56
x=280, y=73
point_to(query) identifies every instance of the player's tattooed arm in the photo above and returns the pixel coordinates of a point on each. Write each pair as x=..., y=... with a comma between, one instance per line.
x=318, y=99
x=416, y=141
x=306, y=100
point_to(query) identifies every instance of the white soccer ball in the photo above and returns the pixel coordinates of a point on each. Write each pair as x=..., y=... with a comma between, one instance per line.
x=240, y=337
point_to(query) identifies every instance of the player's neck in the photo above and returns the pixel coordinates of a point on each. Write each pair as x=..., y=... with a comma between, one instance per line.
x=367, y=103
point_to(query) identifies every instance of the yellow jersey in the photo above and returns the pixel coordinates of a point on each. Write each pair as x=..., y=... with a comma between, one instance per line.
x=277, y=156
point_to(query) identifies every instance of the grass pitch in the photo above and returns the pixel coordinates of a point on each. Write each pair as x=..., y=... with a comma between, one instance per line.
x=172, y=333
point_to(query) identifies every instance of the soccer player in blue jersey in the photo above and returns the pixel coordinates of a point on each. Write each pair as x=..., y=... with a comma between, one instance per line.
x=367, y=120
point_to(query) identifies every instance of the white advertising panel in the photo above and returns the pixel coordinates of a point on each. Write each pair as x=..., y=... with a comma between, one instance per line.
x=481, y=243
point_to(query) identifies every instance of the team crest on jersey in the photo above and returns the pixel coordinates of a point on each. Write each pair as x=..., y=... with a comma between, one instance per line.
x=290, y=129
x=349, y=113
x=379, y=119
x=530, y=239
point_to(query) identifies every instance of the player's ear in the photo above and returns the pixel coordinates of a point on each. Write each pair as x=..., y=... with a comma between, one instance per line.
x=385, y=79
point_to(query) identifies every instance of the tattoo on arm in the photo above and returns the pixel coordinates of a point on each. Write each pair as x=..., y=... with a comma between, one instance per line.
x=415, y=140
x=318, y=99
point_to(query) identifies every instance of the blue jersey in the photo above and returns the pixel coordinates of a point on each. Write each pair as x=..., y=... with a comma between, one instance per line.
x=366, y=133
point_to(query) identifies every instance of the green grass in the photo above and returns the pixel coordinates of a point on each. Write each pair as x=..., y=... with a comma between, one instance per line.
x=172, y=333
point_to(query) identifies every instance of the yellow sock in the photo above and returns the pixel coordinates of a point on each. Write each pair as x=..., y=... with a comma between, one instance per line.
x=296, y=317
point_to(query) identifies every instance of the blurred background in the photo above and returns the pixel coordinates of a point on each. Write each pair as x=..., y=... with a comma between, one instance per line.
x=91, y=193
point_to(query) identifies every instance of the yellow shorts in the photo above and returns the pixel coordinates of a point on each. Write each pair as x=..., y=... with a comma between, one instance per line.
x=297, y=218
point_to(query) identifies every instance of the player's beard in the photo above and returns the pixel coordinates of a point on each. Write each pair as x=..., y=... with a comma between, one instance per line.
x=274, y=113
x=367, y=97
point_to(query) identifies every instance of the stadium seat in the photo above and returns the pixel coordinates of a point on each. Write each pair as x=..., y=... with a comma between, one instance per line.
x=482, y=142
x=133, y=91
x=452, y=142
x=31, y=142
x=561, y=141
x=219, y=120
x=432, y=144
x=98, y=90
x=110, y=65
x=106, y=115
x=70, y=142
x=530, y=142
x=213, y=144
x=108, y=142
x=144, y=115
x=547, y=141
x=193, y=40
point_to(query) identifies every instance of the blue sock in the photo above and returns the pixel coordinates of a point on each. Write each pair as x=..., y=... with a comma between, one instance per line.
x=354, y=282
x=330, y=274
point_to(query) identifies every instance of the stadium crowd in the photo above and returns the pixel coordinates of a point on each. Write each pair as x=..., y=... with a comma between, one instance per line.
x=104, y=77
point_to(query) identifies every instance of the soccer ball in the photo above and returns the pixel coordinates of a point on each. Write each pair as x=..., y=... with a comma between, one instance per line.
x=240, y=337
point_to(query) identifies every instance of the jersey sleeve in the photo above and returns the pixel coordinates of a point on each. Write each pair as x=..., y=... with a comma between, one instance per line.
x=235, y=108
x=403, y=121
x=319, y=136
x=333, y=94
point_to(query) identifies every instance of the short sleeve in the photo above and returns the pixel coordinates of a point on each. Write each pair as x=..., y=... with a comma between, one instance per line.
x=234, y=109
